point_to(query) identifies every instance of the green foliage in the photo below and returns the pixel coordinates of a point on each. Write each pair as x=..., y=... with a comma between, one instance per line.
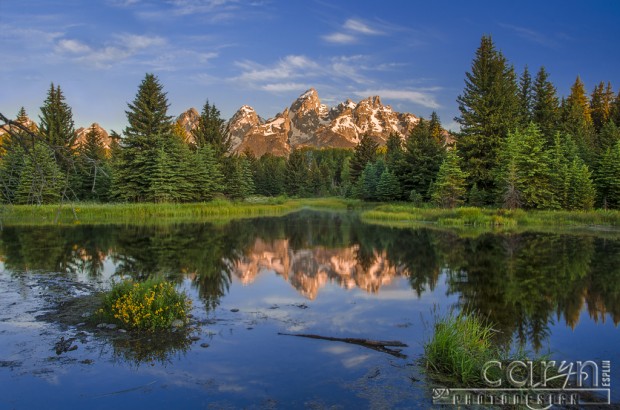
x=607, y=178
x=421, y=160
x=211, y=129
x=296, y=173
x=207, y=173
x=93, y=171
x=601, y=105
x=365, y=152
x=270, y=175
x=525, y=95
x=524, y=175
x=546, y=108
x=12, y=163
x=449, y=190
x=489, y=108
x=151, y=305
x=41, y=181
x=606, y=138
x=144, y=146
x=57, y=127
x=239, y=178
x=577, y=121
x=459, y=349
x=388, y=188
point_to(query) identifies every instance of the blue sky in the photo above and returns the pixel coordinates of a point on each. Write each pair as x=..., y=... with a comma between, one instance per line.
x=414, y=54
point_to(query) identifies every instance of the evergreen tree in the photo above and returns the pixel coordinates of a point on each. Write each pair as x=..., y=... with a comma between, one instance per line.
x=93, y=171
x=526, y=98
x=366, y=185
x=296, y=173
x=394, y=152
x=57, y=127
x=421, y=160
x=211, y=130
x=434, y=126
x=240, y=184
x=12, y=158
x=270, y=175
x=577, y=120
x=365, y=152
x=615, y=110
x=142, y=145
x=449, y=189
x=545, y=107
x=489, y=109
x=608, y=178
x=582, y=191
x=41, y=180
x=607, y=137
x=601, y=105
x=388, y=187
x=208, y=173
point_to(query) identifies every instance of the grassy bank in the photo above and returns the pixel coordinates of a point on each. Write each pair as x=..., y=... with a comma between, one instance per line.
x=149, y=213
x=502, y=219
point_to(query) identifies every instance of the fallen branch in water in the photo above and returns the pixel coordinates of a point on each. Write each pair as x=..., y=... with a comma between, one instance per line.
x=378, y=345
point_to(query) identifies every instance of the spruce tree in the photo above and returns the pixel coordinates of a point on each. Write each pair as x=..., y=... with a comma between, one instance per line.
x=526, y=98
x=12, y=158
x=41, y=179
x=207, y=173
x=365, y=152
x=434, y=126
x=421, y=160
x=388, y=187
x=608, y=178
x=211, y=130
x=57, y=127
x=296, y=173
x=93, y=171
x=142, y=144
x=577, y=120
x=545, y=107
x=448, y=190
x=607, y=137
x=601, y=105
x=489, y=109
x=394, y=153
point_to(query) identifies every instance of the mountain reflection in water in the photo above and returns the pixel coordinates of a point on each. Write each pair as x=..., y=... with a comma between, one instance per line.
x=520, y=281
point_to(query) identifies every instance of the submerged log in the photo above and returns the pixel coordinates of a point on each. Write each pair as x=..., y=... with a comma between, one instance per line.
x=378, y=345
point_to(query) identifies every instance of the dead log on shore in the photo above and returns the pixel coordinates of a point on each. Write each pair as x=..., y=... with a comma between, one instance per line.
x=378, y=345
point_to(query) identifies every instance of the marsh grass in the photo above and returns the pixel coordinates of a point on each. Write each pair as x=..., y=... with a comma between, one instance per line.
x=494, y=218
x=151, y=305
x=165, y=213
x=459, y=348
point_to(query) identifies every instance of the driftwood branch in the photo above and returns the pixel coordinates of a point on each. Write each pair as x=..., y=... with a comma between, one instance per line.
x=378, y=345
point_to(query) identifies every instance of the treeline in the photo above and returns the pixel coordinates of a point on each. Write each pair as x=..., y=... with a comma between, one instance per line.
x=520, y=146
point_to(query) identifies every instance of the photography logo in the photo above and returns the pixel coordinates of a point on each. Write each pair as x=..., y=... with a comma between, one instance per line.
x=536, y=385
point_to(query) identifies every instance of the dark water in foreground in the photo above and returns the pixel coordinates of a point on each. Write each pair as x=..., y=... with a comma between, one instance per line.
x=309, y=272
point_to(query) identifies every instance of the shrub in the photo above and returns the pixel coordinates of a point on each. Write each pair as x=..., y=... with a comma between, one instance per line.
x=151, y=305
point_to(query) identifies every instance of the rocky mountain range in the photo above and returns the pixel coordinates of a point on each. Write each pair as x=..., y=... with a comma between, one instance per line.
x=306, y=123
x=309, y=123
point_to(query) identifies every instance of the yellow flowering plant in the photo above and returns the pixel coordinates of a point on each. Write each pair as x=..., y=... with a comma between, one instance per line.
x=151, y=305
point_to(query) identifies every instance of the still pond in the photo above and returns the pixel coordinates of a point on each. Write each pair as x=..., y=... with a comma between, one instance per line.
x=319, y=273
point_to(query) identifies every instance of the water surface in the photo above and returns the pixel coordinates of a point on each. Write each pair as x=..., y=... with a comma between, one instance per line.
x=309, y=272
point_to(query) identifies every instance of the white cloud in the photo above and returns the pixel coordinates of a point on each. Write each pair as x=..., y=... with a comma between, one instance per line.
x=292, y=66
x=422, y=97
x=361, y=27
x=281, y=87
x=340, y=38
x=72, y=46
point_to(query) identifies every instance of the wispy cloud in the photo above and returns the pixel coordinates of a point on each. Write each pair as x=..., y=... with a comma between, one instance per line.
x=340, y=38
x=530, y=35
x=286, y=73
x=424, y=97
x=351, y=31
x=361, y=27
x=118, y=49
x=283, y=87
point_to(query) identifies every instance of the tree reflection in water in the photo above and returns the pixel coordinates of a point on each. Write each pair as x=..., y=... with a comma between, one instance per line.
x=521, y=282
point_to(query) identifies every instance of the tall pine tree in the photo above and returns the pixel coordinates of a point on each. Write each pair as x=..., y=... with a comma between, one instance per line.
x=448, y=190
x=545, y=108
x=57, y=127
x=365, y=152
x=489, y=110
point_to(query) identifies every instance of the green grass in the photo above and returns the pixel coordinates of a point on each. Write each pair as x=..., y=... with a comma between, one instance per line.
x=489, y=218
x=150, y=213
x=459, y=348
x=151, y=305
x=463, y=344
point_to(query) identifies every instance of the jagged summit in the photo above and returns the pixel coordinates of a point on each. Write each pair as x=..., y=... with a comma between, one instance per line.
x=308, y=122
